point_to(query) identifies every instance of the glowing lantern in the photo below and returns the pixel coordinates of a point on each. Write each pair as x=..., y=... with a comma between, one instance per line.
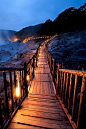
x=15, y=39
x=18, y=87
x=27, y=77
x=17, y=92
x=28, y=88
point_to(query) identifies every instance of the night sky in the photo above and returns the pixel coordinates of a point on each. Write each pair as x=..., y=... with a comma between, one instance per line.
x=17, y=14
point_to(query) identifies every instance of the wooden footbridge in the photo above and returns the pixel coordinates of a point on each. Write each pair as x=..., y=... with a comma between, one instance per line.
x=49, y=95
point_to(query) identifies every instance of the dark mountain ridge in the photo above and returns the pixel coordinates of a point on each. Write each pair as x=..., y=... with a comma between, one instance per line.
x=71, y=19
x=28, y=32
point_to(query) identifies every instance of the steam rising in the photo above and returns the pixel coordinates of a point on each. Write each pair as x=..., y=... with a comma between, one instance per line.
x=6, y=35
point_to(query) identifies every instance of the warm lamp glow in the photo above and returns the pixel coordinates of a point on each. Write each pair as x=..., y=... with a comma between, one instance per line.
x=27, y=77
x=18, y=87
x=28, y=88
x=15, y=39
x=17, y=92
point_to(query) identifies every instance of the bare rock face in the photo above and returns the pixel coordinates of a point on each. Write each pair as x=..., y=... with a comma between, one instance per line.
x=70, y=49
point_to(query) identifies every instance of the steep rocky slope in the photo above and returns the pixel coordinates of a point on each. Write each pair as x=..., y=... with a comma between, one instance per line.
x=14, y=54
x=69, y=49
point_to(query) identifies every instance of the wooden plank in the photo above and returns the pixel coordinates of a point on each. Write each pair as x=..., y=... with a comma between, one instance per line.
x=45, y=88
x=48, y=109
x=41, y=109
x=42, y=96
x=41, y=100
x=39, y=121
x=44, y=115
x=42, y=59
x=45, y=104
x=43, y=63
x=43, y=70
x=15, y=125
x=41, y=66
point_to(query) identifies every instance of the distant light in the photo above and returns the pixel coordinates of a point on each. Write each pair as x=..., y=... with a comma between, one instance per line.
x=28, y=88
x=17, y=92
x=18, y=87
x=27, y=77
x=15, y=39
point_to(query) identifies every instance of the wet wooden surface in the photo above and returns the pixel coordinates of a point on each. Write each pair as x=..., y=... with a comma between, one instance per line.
x=41, y=109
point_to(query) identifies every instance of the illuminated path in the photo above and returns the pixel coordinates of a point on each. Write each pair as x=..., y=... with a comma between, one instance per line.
x=41, y=109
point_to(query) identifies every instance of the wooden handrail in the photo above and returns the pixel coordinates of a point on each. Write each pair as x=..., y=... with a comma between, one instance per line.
x=74, y=72
x=10, y=69
x=64, y=90
x=22, y=73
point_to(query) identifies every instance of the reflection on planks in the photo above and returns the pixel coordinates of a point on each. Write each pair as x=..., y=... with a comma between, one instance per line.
x=41, y=109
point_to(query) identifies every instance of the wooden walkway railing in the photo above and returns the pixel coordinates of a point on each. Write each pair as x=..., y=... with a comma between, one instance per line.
x=9, y=102
x=41, y=109
x=69, y=84
x=70, y=91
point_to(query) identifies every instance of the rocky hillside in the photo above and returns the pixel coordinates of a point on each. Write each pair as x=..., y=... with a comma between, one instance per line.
x=70, y=49
x=28, y=32
x=14, y=54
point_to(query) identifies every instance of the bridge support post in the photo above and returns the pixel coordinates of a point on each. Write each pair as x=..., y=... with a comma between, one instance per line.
x=30, y=72
x=6, y=96
x=15, y=85
x=25, y=77
x=57, y=85
x=35, y=62
x=1, y=119
x=53, y=68
x=11, y=91
x=81, y=103
x=33, y=65
x=50, y=63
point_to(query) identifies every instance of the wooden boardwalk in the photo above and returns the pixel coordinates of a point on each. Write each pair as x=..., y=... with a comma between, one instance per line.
x=41, y=109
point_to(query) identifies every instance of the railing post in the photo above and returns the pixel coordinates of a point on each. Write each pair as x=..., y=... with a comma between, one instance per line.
x=70, y=87
x=50, y=63
x=20, y=84
x=30, y=72
x=23, y=80
x=25, y=77
x=66, y=90
x=53, y=68
x=11, y=91
x=57, y=85
x=74, y=96
x=33, y=65
x=35, y=62
x=1, y=119
x=81, y=102
x=6, y=96
x=61, y=85
x=37, y=55
x=64, y=87
x=48, y=59
x=15, y=86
